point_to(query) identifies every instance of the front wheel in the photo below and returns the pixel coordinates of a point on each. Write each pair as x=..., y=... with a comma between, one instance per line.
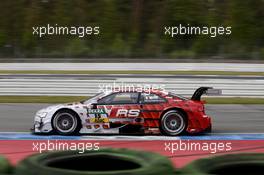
x=65, y=123
x=173, y=123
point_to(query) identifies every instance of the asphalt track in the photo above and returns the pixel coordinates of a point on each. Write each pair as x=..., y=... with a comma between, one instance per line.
x=227, y=119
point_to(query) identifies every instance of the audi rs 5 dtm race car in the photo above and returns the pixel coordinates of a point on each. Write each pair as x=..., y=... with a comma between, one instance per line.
x=118, y=112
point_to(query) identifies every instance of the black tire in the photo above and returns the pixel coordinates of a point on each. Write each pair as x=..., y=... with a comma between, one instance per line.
x=173, y=123
x=5, y=167
x=230, y=164
x=100, y=162
x=66, y=122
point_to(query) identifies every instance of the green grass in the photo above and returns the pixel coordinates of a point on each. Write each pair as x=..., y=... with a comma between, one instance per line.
x=65, y=99
x=129, y=72
x=234, y=100
x=40, y=99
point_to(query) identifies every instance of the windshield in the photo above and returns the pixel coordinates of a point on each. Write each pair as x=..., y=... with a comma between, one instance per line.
x=93, y=98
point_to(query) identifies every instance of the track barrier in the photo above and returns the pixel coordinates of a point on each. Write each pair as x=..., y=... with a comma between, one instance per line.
x=117, y=161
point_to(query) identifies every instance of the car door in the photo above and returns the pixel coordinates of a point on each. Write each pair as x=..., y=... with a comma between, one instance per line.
x=151, y=106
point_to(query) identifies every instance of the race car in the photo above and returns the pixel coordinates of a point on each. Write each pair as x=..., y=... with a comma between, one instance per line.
x=127, y=112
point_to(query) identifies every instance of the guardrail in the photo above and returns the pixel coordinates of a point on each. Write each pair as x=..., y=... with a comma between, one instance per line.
x=87, y=87
x=150, y=66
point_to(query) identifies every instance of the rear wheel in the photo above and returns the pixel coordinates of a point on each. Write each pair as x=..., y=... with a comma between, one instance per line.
x=173, y=123
x=66, y=123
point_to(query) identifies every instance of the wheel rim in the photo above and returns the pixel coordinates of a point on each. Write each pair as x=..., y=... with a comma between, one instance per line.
x=65, y=122
x=173, y=123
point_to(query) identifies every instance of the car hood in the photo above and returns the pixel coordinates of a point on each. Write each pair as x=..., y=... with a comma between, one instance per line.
x=51, y=108
x=55, y=107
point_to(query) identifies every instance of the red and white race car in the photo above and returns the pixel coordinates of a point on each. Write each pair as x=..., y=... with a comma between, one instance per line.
x=151, y=112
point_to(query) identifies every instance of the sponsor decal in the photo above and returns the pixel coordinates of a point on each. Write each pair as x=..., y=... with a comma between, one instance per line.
x=99, y=120
x=128, y=113
x=96, y=111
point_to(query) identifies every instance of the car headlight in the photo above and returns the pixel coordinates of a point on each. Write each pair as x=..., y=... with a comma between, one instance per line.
x=42, y=115
x=37, y=124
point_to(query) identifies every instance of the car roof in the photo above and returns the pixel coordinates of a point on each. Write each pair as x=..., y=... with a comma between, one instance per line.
x=127, y=90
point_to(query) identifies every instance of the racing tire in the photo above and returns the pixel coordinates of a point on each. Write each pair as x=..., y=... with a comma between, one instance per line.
x=66, y=122
x=230, y=164
x=173, y=123
x=5, y=167
x=107, y=161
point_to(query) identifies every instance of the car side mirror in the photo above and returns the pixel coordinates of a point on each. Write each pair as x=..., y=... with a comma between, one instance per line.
x=94, y=105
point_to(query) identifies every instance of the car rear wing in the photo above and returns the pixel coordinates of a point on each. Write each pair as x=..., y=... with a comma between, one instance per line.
x=205, y=90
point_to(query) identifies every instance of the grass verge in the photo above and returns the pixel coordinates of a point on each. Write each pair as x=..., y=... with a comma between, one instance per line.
x=65, y=99
x=40, y=99
x=234, y=100
x=130, y=72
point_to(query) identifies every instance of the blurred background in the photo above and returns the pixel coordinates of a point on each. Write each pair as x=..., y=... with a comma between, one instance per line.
x=132, y=29
x=132, y=32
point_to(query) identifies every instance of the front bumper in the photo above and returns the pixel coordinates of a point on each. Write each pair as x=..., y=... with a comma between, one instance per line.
x=41, y=126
